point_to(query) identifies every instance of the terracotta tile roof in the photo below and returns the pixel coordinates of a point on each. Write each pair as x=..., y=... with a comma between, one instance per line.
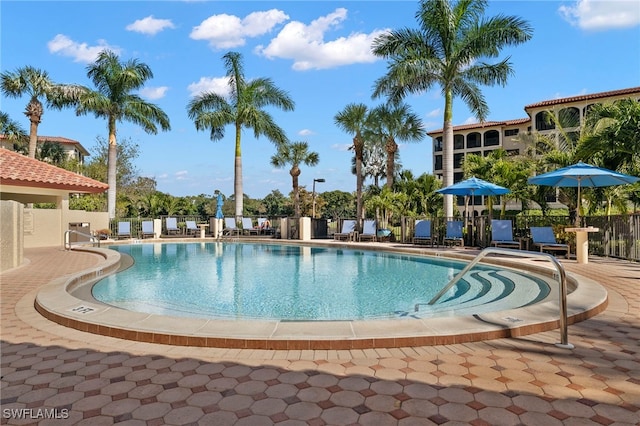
x=60, y=140
x=592, y=96
x=19, y=170
x=483, y=125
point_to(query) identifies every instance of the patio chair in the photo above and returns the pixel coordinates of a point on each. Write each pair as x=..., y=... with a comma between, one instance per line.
x=264, y=225
x=192, y=228
x=230, y=226
x=502, y=234
x=369, y=231
x=454, y=235
x=422, y=232
x=542, y=237
x=147, y=229
x=248, y=228
x=347, y=232
x=172, y=225
x=124, y=230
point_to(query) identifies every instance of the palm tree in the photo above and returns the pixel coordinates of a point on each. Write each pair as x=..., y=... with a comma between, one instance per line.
x=396, y=122
x=36, y=84
x=114, y=101
x=243, y=109
x=13, y=131
x=353, y=119
x=448, y=49
x=295, y=154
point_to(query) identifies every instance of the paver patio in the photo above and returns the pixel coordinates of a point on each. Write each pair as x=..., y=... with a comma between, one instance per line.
x=48, y=370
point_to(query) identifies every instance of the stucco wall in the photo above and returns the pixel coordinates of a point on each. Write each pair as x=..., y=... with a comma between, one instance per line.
x=11, y=235
x=46, y=227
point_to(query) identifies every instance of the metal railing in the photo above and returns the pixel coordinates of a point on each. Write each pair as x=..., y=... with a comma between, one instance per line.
x=89, y=239
x=562, y=281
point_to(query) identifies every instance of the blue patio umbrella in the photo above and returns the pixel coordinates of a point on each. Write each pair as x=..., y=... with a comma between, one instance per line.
x=219, y=203
x=472, y=187
x=582, y=175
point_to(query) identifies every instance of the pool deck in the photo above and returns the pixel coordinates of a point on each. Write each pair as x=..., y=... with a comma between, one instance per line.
x=84, y=378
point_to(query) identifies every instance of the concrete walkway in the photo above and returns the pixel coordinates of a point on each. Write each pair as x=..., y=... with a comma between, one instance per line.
x=59, y=376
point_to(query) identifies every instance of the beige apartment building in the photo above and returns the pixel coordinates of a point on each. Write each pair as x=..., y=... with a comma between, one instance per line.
x=482, y=138
x=72, y=148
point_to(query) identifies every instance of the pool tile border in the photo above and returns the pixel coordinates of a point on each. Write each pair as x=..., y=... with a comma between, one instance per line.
x=55, y=303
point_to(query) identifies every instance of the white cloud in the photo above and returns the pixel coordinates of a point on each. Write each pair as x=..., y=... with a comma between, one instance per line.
x=219, y=85
x=154, y=92
x=227, y=31
x=602, y=15
x=181, y=175
x=470, y=120
x=80, y=52
x=305, y=44
x=306, y=132
x=434, y=113
x=150, y=25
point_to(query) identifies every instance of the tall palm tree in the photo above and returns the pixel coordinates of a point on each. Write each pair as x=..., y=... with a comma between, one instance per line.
x=243, y=109
x=396, y=122
x=36, y=84
x=114, y=101
x=449, y=49
x=13, y=131
x=353, y=119
x=295, y=154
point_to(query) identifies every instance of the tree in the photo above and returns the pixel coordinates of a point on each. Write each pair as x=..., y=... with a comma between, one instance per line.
x=242, y=109
x=449, y=49
x=52, y=153
x=396, y=122
x=338, y=204
x=353, y=119
x=295, y=154
x=115, y=101
x=36, y=84
x=13, y=131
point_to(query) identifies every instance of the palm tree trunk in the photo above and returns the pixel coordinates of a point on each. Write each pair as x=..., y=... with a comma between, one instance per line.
x=296, y=193
x=358, y=144
x=391, y=148
x=447, y=152
x=112, y=163
x=33, y=138
x=237, y=178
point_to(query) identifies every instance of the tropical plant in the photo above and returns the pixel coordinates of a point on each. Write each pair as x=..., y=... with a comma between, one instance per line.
x=386, y=205
x=395, y=123
x=353, y=119
x=295, y=154
x=115, y=101
x=449, y=49
x=422, y=198
x=243, y=109
x=52, y=152
x=36, y=84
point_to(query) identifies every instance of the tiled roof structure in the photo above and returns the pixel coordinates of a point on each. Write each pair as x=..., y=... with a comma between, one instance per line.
x=483, y=125
x=591, y=96
x=19, y=170
x=57, y=139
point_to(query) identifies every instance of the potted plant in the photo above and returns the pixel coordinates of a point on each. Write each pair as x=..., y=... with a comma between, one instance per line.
x=103, y=234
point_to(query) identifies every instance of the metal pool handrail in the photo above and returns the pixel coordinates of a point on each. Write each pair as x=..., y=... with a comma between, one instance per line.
x=562, y=280
x=67, y=240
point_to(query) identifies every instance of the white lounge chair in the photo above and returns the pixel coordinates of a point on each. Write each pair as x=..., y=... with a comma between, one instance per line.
x=147, y=229
x=248, y=228
x=192, y=228
x=124, y=230
x=369, y=231
x=348, y=230
x=230, y=226
x=172, y=225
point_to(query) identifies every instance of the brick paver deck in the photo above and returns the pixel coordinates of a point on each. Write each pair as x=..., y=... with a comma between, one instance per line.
x=48, y=370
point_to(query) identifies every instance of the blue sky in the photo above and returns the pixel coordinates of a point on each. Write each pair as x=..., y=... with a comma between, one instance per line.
x=318, y=51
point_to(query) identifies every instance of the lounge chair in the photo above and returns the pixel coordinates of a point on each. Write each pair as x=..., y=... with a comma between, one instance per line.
x=192, y=228
x=248, y=228
x=542, y=237
x=230, y=226
x=454, y=235
x=172, y=225
x=422, y=232
x=147, y=229
x=369, y=231
x=502, y=234
x=124, y=230
x=348, y=230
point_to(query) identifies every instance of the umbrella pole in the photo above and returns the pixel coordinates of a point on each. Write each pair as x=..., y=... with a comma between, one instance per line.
x=578, y=206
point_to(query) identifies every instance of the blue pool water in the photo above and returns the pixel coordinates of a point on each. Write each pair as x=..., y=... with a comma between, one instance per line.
x=267, y=281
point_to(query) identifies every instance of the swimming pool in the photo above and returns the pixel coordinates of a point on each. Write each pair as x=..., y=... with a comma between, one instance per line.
x=300, y=283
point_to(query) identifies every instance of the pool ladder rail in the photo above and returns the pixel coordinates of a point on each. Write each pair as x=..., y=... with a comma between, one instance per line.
x=561, y=276
x=90, y=239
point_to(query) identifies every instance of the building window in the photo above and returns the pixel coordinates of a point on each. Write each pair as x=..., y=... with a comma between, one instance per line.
x=458, y=142
x=491, y=138
x=457, y=177
x=513, y=152
x=437, y=144
x=488, y=152
x=511, y=132
x=473, y=140
x=457, y=160
x=438, y=163
x=478, y=153
x=569, y=117
x=544, y=121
